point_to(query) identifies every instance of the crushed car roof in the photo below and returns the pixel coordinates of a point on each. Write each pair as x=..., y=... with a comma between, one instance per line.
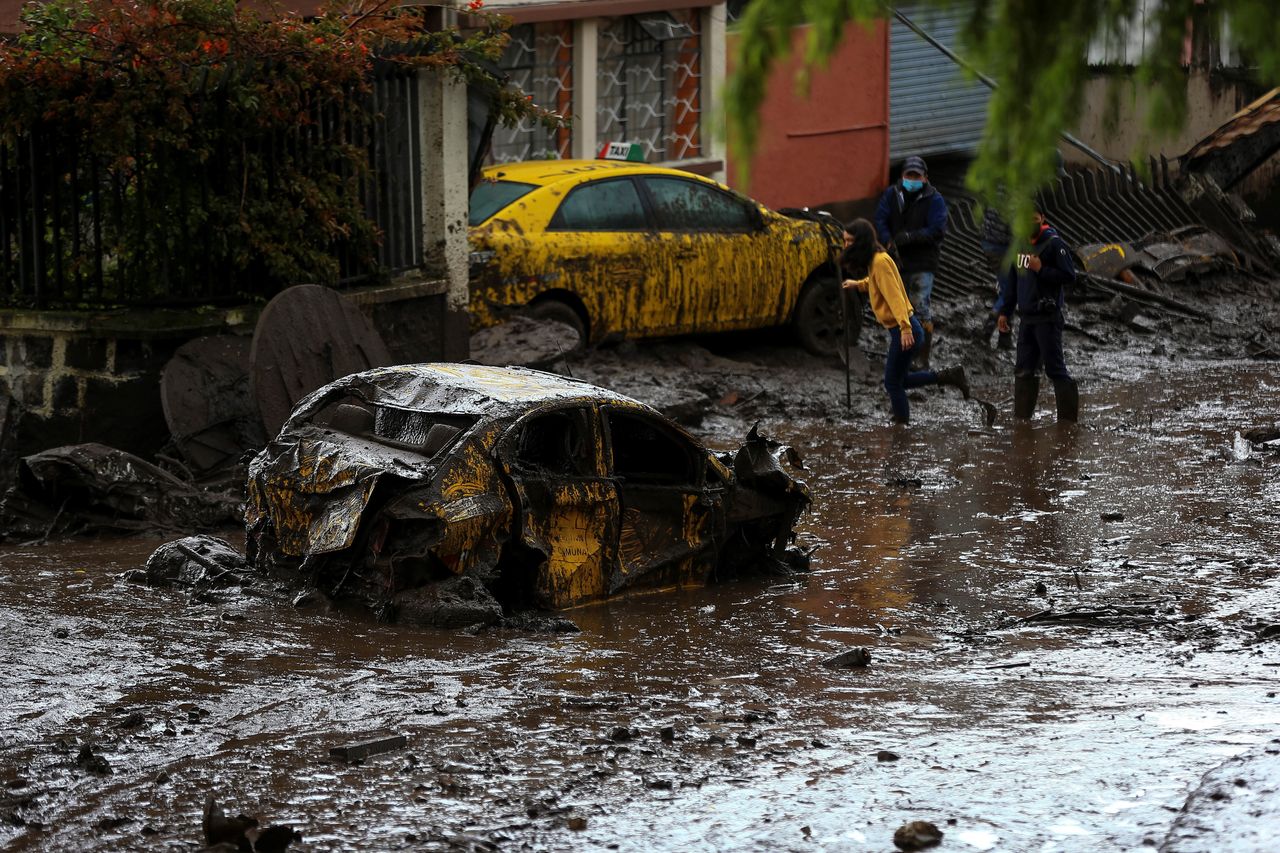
x=471, y=389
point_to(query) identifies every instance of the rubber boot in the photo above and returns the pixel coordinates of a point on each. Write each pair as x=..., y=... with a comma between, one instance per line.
x=1025, y=391
x=921, y=357
x=1067, y=395
x=954, y=377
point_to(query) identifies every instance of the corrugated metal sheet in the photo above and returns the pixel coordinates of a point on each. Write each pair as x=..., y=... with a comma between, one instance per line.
x=1251, y=119
x=932, y=109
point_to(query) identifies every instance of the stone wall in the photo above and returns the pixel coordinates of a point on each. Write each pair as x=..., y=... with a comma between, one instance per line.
x=68, y=377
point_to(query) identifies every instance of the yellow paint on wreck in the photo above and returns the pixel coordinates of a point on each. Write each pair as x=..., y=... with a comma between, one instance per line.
x=471, y=474
x=638, y=283
x=695, y=521
x=575, y=570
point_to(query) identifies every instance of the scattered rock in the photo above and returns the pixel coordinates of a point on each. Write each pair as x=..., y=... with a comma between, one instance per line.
x=851, y=659
x=206, y=562
x=917, y=835
x=620, y=734
x=274, y=839
x=241, y=832
x=886, y=755
x=1112, y=516
x=132, y=721
x=1041, y=589
x=541, y=623
x=907, y=482
x=455, y=602
x=91, y=762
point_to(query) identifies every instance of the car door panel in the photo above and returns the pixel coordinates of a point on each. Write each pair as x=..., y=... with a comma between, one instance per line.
x=731, y=266
x=568, y=510
x=671, y=523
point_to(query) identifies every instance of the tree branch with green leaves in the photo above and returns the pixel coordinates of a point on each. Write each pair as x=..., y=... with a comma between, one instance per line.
x=1035, y=52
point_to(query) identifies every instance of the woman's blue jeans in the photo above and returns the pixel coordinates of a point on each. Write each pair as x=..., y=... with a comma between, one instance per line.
x=898, y=376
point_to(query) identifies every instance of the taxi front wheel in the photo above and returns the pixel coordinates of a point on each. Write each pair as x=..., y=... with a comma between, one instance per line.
x=817, y=317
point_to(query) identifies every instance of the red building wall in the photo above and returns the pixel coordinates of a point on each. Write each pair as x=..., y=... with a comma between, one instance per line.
x=832, y=146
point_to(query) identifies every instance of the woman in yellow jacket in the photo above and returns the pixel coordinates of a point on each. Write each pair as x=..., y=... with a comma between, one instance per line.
x=867, y=267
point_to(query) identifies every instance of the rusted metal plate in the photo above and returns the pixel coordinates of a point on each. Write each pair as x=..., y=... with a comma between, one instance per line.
x=204, y=390
x=307, y=337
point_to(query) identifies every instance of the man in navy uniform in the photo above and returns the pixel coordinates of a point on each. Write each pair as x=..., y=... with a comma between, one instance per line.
x=1035, y=286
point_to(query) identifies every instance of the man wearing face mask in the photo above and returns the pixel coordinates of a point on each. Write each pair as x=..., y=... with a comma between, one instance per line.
x=911, y=220
x=1035, y=285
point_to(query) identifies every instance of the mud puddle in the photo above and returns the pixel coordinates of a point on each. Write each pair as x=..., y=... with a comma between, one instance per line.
x=703, y=719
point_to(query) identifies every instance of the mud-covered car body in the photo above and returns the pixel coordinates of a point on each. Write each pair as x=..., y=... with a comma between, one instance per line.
x=637, y=250
x=549, y=491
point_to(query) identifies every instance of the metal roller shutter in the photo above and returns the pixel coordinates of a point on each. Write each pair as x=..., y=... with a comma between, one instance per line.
x=932, y=108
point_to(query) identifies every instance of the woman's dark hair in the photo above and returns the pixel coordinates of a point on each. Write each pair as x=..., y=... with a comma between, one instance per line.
x=856, y=259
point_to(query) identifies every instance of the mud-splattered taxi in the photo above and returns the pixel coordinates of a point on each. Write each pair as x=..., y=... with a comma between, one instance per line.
x=616, y=248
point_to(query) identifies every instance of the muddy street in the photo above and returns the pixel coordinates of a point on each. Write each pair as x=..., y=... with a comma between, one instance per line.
x=1067, y=629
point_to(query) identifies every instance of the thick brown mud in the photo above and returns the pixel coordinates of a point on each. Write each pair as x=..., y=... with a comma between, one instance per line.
x=702, y=719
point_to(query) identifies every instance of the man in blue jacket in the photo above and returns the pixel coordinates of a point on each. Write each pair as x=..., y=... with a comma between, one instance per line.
x=1035, y=285
x=911, y=221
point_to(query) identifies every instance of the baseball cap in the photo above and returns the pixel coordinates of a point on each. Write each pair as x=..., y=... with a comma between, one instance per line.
x=915, y=164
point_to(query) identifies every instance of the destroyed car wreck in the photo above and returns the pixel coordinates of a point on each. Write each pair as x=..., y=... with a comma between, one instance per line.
x=414, y=488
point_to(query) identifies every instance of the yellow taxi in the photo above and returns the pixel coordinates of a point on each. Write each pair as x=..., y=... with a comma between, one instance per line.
x=624, y=249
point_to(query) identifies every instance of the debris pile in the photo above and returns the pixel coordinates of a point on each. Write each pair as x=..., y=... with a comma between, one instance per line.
x=92, y=488
x=1147, y=243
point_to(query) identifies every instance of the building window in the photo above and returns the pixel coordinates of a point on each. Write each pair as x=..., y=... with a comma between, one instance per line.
x=539, y=62
x=650, y=83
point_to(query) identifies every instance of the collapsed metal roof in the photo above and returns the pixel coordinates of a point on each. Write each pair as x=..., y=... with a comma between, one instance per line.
x=1240, y=145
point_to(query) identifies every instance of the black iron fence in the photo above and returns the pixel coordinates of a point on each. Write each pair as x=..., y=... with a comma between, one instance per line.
x=166, y=225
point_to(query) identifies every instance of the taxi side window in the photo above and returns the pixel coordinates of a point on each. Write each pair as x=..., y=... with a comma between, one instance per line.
x=556, y=443
x=601, y=206
x=643, y=452
x=681, y=205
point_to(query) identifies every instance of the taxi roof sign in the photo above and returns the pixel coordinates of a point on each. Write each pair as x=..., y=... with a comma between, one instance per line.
x=630, y=151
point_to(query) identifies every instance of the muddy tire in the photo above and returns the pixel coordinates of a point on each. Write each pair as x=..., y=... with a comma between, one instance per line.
x=816, y=318
x=560, y=312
